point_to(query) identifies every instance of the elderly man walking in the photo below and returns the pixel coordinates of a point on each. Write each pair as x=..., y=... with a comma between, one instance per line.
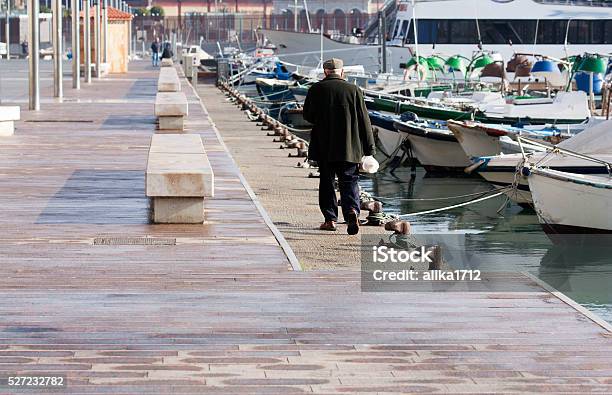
x=341, y=135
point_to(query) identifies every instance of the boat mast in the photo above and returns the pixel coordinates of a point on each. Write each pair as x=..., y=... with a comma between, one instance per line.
x=321, y=55
x=416, y=39
x=478, y=26
x=307, y=16
x=535, y=38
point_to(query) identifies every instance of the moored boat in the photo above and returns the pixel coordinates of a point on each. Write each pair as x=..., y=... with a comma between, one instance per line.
x=389, y=141
x=274, y=90
x=570, y=203
x=504, y=170
x=433, y=145
x=479, y=139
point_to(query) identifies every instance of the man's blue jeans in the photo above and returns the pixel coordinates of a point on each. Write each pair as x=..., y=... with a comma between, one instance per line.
x=348, y=175
x=155, y=58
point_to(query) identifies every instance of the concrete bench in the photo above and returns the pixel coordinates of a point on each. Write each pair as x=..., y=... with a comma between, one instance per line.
x=167, y=62
x=168, y=80
x=8, y=116
x=171, y=108
x=178, y=178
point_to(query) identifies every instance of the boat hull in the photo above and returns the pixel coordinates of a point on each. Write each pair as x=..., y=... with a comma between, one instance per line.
x=503, y=175
x=435, y=150
x=447, y=113
x=274, y=93
x=388, y=140
x=475, y=142
x=568, y=203
x=521, y=195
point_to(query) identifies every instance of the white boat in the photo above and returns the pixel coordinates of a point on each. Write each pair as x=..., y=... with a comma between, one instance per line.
x=433, y=145
x=458, y=27
x=504, y=170
x=389, y=141
x=570, y=203
x=480, y=139
x=565, y=107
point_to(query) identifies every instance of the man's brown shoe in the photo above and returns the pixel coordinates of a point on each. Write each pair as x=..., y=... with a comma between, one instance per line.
x=328, y=225
x=353, y=223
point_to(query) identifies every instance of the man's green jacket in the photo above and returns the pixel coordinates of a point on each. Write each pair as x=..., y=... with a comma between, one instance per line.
x=342, y=130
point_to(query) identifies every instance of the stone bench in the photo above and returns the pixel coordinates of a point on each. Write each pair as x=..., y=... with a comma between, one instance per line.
x=8, y=116
x=168, y=80
x=167, y=62
x=171, y=108
x=178, y=178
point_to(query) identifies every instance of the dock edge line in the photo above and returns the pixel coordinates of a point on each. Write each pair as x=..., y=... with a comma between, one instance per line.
x=289, y=254
x=572, y=303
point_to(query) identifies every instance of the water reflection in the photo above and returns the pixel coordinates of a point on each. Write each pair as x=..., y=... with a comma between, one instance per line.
x=495, y=235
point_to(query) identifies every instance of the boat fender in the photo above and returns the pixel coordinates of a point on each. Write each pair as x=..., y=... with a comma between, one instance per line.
x=525, y=171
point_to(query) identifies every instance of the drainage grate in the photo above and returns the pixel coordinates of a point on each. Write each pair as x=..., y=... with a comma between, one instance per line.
x=136, y=241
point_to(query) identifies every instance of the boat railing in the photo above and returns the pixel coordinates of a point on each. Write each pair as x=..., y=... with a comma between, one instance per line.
x=554, y=149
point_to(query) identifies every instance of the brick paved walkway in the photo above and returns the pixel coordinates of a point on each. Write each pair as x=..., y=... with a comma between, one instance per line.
x=219, y=312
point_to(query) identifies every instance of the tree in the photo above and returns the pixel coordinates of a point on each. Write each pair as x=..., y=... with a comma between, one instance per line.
x=156, y=11
x=140, y=12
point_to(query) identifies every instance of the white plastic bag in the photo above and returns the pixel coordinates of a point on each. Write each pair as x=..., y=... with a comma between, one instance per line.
x=369, y=164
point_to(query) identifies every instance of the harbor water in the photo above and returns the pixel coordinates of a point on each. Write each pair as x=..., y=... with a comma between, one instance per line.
x=509, y=239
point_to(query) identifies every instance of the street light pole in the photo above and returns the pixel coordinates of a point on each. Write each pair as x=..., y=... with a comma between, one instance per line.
x=58, y=89
x=97, y=37
x=34, y=40
x=87, y=40
x=104, y=30
x=7, y=29
x=76, y=38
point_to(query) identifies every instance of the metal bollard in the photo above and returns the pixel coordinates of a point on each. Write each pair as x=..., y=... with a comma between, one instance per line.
x=194, y=77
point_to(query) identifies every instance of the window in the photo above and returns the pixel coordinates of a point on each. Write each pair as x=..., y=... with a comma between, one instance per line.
x=427, y=30
x=404, y=28
x=463, y=31
x=607, y=35
x=500, y=32
x=598, y=32
x=503, y=31
x=397, y=26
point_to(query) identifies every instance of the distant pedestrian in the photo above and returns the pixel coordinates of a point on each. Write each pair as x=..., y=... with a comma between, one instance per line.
x=24, y=48
x=341, y=135
x=167, y=53
x=155, y=52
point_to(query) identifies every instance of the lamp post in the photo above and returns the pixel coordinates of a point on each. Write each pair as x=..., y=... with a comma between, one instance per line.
x=33, y=58
x=97, y=37
x=7, y=29
x=104, y=30
x=87, y=39
x=76, y=37
x=56, y=6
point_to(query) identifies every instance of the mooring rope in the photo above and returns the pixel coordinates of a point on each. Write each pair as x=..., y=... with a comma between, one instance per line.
x=478, y=200
x=381, y=198
x=365, y=196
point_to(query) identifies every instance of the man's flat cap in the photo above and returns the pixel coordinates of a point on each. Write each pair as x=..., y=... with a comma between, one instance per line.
x=333, y=64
